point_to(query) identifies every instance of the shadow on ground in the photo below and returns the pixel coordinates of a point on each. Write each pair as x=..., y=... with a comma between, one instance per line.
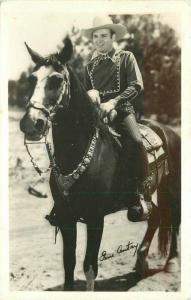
x=117, y=283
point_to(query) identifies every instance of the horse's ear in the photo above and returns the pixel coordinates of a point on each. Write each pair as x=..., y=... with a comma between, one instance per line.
x=37, y=59
x=66, y=53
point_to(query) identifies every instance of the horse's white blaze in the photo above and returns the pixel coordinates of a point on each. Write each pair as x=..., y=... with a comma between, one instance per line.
x=90, y=279
x=39, y=91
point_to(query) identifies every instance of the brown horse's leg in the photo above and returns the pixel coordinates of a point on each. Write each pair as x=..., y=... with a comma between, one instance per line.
x=141, y=266
x=94, y=235
x=68, y=231
x=67, y=225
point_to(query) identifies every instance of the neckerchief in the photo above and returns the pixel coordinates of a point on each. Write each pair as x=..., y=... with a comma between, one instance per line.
x=112, y=54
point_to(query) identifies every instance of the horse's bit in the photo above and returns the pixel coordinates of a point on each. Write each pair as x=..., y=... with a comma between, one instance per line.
x=50, y=115
x=64, y=182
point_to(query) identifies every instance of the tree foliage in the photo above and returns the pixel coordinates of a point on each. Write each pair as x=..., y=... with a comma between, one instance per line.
x=18, y=91
x=156, y=49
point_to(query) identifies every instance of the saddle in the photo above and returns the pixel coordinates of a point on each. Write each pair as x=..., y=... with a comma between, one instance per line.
x=153, y=143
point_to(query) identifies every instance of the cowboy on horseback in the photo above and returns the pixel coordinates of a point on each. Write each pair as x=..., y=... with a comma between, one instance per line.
x=87, y=169
x=113, y=81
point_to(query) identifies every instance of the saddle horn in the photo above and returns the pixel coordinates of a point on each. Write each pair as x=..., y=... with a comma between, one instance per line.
x=66, y=53
x=37, y=59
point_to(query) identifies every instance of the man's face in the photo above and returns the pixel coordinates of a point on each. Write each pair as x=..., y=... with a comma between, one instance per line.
x=103, y=40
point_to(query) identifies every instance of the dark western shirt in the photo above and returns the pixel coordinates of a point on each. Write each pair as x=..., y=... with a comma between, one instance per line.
x=115, y=75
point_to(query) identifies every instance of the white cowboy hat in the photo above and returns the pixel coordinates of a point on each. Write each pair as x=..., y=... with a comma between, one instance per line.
x=101, y=22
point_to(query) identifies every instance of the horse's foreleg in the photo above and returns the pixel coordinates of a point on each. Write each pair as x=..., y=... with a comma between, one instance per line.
x=141, y=266
x=67, y=226
x=94, y=235
x=69, y=253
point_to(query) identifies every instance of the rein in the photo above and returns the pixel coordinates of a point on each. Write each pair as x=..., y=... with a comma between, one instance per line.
x=36, y=167
x=64, y=182
x=49, y=113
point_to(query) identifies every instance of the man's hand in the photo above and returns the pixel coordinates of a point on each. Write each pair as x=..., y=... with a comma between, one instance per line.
x=112, y=115
x=106, y=108
x=94, y=95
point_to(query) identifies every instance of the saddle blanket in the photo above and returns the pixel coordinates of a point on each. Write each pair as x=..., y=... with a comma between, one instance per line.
x=155, y=154
x=151, y=141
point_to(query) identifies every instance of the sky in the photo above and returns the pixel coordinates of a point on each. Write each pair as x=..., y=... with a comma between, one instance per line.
x=43, y=30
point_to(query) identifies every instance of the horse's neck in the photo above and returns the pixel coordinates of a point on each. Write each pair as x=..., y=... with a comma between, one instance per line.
x=82, y=104
x=76, y=126
x=69, y=147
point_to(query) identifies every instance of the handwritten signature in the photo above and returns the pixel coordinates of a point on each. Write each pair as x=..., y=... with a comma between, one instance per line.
x=120, y=249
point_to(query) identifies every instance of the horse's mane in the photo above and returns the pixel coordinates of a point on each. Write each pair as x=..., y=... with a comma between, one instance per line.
x=87, y=111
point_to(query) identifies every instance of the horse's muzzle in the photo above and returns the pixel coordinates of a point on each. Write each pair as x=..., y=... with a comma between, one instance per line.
x=33, y=129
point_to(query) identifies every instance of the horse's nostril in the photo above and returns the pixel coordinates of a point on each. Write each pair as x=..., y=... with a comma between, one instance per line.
x=22, y=128
x=39, y=124
x=25, y=124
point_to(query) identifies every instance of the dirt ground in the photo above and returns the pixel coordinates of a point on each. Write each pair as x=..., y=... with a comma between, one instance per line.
x=36, y=261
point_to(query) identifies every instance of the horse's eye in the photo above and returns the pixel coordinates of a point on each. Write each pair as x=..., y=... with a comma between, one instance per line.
x=54, y=82
x=32, y=80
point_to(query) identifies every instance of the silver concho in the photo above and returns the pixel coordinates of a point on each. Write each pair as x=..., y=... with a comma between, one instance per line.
x=82, y=169
x=86, y=160
x=76, y=175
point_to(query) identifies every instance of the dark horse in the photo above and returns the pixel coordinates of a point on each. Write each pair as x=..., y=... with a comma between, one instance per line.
x=87, y=178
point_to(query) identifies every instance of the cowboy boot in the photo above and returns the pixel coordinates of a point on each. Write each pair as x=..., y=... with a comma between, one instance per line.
x=140, y=204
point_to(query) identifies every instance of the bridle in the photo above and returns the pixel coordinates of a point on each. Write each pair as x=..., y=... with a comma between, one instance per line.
x=49, y=113
x=64, y=182
x=65, y=92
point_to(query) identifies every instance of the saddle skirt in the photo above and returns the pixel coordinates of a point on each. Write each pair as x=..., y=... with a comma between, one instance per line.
x=151, y=141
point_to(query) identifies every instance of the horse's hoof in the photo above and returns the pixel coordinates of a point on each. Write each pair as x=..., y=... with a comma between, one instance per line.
x=172, y=266
x=68, y=287
x=141, y=268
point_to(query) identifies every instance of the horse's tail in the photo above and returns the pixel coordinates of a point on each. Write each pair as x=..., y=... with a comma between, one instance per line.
x=165, y=226
x=169, y=193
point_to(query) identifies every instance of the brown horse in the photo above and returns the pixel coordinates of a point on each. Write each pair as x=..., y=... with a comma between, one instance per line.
x=87, y=179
